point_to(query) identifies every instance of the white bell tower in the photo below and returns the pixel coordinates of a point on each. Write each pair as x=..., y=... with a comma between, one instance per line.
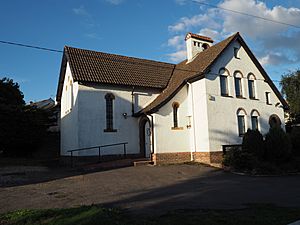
x=196, y=43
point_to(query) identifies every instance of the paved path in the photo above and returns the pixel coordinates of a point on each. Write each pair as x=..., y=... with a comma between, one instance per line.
x=155, y=190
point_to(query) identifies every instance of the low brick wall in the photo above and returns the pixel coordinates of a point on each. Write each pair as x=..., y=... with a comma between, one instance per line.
x=209, y=158
x=169, y=158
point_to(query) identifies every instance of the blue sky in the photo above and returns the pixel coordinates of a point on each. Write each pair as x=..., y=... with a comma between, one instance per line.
x=141, y=28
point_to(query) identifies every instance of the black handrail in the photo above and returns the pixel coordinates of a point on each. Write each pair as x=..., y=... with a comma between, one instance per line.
x=99, y=149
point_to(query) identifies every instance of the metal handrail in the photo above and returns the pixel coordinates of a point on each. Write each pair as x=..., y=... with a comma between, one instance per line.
x=99, y=149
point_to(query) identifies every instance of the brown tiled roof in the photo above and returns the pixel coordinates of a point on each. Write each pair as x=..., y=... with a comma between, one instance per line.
x=197, y=36
x=185, y=72
x=99, y=67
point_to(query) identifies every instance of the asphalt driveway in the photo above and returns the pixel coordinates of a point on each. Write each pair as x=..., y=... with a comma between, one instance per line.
x=154, y=190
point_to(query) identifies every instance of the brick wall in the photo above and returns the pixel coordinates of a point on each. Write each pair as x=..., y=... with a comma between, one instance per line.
x=209, y=158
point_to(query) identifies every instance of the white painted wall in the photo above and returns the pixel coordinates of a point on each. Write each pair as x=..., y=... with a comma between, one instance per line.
x=166, y=139
x=69, y=114
x=222, y=119
x=199, y=135
x=91, y=119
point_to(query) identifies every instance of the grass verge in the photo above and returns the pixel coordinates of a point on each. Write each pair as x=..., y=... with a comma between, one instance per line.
x=94, y=215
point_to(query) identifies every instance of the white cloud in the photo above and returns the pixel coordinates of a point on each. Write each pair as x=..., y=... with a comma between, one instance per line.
x=181, y=2
x=92, y=36
x=81, y=11
x=186, y=23
x=255, y=27
x=114, y=2
x=177, y=42
x=274, y=43
x=215, y=35
x=177, y=56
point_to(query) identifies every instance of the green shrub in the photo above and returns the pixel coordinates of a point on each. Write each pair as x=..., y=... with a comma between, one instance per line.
x=240, y=160
x=277, y=146
x=295, y=139
x=253, y=143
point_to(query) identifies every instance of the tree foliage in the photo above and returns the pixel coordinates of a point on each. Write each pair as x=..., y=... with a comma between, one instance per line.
x=290, y=84
x=22, y=127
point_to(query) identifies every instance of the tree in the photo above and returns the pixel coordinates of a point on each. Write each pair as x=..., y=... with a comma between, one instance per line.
x=290, y=84
x=21, y=126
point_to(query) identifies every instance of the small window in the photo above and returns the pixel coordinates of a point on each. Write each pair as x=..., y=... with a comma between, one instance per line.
x=251, y=86
x=238, y=86
x=268, y=98
x=236, y=53
x=254, y=122
x=175, y=114
x=254, y=119
x=224, y=86
x=109, y=112
x=198, y=44
x=241, y=121
x=195, y=43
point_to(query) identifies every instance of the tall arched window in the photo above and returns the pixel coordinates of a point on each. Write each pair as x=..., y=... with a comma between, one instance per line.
x=254, y=119
x=241, y=114
x=251, y=85
x=175, y=106
x=238, y=84
x=109, y=97
x=224, y=73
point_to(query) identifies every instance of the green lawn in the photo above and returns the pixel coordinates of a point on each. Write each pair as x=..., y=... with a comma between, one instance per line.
x=92, y=215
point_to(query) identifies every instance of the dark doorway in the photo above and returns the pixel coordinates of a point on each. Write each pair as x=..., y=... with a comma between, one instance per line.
x=145, y=137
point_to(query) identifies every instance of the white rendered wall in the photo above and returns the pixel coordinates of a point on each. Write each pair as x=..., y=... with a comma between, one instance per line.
x=200, y=135
x=92, y=118
x=69, y=114
x=166, y=139
x=222, y=117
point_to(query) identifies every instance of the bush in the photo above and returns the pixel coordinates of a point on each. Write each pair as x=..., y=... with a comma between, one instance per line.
x=253, y=143
x=240, y=160
x=295, y=139
x=277, y=146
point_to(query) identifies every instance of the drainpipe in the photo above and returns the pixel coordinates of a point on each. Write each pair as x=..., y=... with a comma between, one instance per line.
x=132, y=101
x=193, y=126
x=152, y=137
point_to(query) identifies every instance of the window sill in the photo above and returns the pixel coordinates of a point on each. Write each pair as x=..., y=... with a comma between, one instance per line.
x=176, y=128
x=254, y=99
x=240, y=97
x=110, y=130
x=228, y=96
x=269, y=104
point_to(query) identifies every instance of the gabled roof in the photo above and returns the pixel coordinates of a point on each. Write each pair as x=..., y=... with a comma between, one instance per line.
x=187, y=72
x=104, y=68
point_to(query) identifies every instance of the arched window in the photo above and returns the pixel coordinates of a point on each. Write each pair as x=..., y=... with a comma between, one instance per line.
x=274, y=121
x=241, y=114
x=251, y=85
x=254, y=119
x=109, y=97
x=224, y=73
x=238, y=84
x=205, y=46
x=175, y=106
